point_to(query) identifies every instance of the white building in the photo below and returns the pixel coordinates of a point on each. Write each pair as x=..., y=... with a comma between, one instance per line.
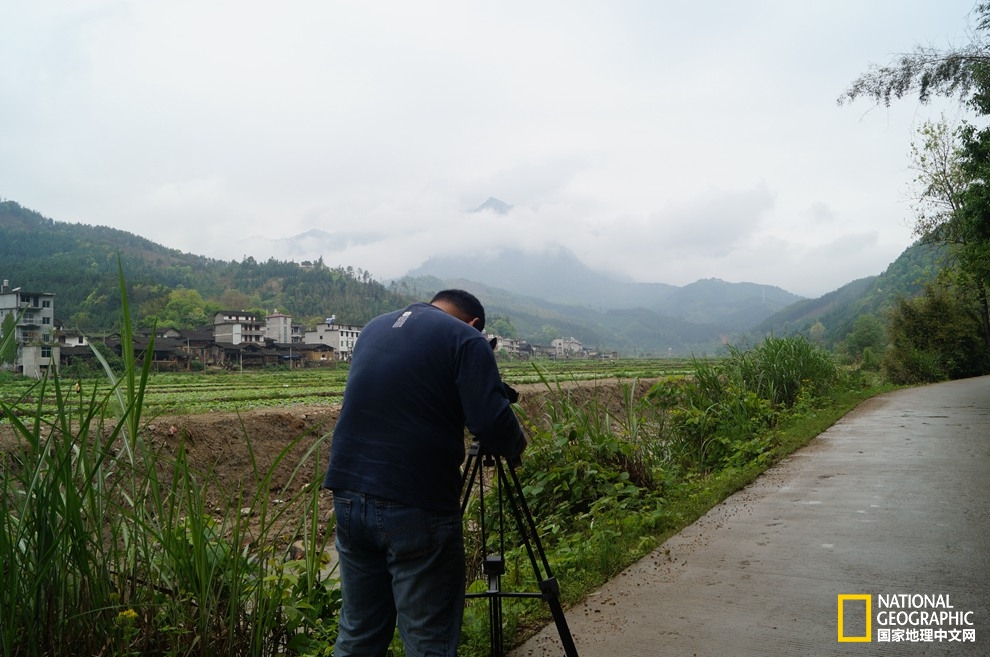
x=237, y=327
x=34, y=330
x=342, y=337
x=278, y=327
x=566, y=347
x=511, y=347
x=71, y=338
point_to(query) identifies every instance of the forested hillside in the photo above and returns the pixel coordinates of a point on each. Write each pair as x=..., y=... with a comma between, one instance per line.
x=837, y=311
x=79, y=263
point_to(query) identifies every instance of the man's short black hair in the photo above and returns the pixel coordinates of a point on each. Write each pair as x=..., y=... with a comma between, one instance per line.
x=464, y=301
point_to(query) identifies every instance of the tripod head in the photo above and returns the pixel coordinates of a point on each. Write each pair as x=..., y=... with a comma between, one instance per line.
x=488, y=457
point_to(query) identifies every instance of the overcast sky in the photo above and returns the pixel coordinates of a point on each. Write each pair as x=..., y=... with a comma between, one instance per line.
x=660, y=141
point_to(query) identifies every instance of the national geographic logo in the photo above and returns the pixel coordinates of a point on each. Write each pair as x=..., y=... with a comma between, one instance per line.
x=903, y=618
x=867, y=635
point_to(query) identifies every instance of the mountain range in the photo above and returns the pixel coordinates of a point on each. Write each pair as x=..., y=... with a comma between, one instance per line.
x=542, y=295
x=554, y=292
x=556, y=275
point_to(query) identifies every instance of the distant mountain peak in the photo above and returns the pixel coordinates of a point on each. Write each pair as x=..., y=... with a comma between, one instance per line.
x=495, y=205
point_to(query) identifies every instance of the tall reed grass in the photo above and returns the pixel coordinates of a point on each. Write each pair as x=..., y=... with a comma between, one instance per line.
x=108, y=545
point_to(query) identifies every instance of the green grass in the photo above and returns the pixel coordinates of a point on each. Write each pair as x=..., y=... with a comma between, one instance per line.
x=212, y=392
x=108, y=546
x=608, y=485
x=205, y=393
x=518, y=372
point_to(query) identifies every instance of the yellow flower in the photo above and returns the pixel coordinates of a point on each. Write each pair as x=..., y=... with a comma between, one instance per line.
x=127, y=616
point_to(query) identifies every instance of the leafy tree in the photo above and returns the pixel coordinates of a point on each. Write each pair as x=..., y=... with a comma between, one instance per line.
x=502, y=326
x=185, y=309
x=929, y=72
x=954, y=165
x=547, y=334
x=934, y=337
x=951, y=202
x=940, y=180
x=232, y=299
x=971, y=227
x=817, y=333
x=867, y=334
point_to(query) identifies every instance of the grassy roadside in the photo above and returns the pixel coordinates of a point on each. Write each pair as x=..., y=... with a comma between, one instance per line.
x=700, y=496
x=615, y=531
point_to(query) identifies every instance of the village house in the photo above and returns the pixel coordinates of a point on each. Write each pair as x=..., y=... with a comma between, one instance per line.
x=34, y=329
x=237, y=326
x=281, y=329
x=512, y=348
x=236, y=339
x=278, y=328
x=341, y=337
x=567, y=348
x=70, y=338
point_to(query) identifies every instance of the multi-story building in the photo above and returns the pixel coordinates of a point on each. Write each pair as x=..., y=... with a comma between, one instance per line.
x=342, y=337
x=566, y=348
x=511, y=347
x=278, y=327
x=34, y=328
x=237, y=327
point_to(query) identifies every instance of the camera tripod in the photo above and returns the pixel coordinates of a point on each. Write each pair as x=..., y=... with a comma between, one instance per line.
x=509, y=491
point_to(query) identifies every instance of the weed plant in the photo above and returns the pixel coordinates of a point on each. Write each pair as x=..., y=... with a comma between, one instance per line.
x=109, y=547
x=607, y=481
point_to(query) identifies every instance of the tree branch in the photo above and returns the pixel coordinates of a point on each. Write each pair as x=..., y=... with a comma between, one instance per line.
x=927, y=71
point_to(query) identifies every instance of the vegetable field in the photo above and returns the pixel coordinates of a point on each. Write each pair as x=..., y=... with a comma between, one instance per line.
x=212, y=392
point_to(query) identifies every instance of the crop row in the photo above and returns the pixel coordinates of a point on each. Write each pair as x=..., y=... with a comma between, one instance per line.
x=233, y=391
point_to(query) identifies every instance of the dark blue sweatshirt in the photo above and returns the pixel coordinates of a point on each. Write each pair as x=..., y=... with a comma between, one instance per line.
x=418, y=376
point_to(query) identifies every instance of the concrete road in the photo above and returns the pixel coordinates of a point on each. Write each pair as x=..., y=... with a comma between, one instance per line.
x=894, y=499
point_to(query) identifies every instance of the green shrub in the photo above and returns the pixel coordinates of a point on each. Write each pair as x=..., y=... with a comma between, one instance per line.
x=606, y=479
x=934, y=337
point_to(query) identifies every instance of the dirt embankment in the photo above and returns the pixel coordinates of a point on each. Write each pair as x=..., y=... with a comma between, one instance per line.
x=226, y=443
x=288, y=447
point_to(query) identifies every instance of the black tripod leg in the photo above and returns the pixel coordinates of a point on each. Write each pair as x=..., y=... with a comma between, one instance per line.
x=551, y=593
x=471, y=468
x=495, y=634
x=549, y=587
x=493, y=565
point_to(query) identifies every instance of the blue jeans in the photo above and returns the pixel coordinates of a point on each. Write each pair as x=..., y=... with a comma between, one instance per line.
x=398, y=563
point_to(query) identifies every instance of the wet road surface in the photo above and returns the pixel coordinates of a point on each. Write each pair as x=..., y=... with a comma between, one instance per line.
x=893, y=499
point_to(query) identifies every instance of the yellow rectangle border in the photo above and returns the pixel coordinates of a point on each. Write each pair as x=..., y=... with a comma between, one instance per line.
x=869, y=617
